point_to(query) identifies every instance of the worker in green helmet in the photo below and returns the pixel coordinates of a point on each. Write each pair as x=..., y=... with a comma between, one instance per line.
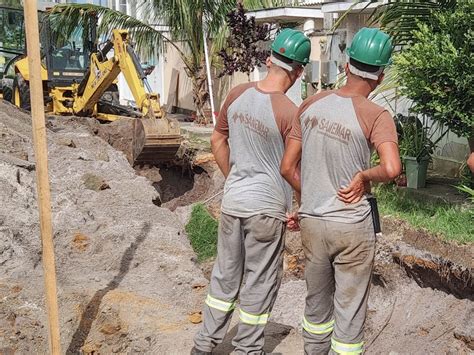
x=333, y=135
x=248, y=144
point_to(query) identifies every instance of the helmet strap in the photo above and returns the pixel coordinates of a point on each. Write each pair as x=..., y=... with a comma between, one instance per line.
x=365, y=74
x=287, y=66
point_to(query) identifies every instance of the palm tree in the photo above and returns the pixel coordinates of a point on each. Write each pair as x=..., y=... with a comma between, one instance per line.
x=185, y=20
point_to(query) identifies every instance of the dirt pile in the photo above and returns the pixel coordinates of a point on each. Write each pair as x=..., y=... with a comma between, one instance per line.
x=126, y=279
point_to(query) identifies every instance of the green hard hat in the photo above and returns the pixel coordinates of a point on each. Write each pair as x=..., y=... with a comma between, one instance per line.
x=371, y=46
x=292, y=44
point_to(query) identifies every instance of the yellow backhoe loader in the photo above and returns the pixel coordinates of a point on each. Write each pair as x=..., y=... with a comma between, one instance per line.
x=79, y=79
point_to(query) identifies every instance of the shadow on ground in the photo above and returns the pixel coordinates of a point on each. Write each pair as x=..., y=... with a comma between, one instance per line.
x=92, y=308
x=274, y=335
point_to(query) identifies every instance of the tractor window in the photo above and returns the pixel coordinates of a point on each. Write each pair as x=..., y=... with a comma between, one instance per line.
x=69, y=53
x=12, y=37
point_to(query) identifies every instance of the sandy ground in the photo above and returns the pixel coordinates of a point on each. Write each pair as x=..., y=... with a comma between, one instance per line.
x=126, y=275
x=128, y=282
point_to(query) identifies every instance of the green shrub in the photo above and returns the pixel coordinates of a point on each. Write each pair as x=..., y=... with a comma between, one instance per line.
x=437, y=71
x=202, y=232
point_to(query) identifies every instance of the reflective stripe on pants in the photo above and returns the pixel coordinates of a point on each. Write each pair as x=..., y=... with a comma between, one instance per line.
x=219, y=304
x=345, y=348
x=318, y=328
x=253, y=319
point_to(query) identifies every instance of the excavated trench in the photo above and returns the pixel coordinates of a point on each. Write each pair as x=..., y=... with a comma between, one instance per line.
x=422, y=288
x=178, y=185
x=181, y=182
x=419, y=281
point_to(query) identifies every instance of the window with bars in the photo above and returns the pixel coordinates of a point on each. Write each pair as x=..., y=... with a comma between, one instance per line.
x=123, y=6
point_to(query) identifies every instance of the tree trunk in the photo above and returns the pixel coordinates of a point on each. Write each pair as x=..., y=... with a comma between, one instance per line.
x=200, y=94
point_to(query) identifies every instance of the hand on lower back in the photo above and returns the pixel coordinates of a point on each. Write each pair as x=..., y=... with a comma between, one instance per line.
x=354, y=192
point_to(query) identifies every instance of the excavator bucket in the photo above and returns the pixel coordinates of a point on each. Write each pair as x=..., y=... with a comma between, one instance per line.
x=155, y=140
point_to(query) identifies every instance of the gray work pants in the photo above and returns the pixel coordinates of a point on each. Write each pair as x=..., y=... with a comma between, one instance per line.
x=339, y=260
x=252, y=245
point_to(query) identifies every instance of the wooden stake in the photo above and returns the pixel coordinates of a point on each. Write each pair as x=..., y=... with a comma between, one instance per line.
x=42, y=179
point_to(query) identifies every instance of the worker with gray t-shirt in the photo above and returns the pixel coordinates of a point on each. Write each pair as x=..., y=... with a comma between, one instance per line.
x=333, y=135
x=248, y=144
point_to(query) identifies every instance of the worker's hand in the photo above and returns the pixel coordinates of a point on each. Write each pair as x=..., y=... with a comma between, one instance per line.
x=292, y=221
x=356, y=189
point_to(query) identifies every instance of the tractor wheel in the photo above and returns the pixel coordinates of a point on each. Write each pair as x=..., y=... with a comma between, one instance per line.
x=7, y=89
x=21, y=93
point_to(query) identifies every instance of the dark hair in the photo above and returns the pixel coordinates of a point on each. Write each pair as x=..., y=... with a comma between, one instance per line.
x=364, y=67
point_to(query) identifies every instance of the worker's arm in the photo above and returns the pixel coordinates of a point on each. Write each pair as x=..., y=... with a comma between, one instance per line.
x=389, y=168
x=470, y=162
x=220, y=149
x=289, y=165
x=290, y=170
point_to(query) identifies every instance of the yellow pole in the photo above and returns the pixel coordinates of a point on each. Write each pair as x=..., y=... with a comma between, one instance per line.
x=42, y=180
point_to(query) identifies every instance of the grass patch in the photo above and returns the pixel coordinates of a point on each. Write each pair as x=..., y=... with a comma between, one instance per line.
x=443, y=219
x=202, y=232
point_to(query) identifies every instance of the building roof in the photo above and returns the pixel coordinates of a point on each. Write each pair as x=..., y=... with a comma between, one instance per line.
x=313, y=9
x=286, y=14
x=342, y=6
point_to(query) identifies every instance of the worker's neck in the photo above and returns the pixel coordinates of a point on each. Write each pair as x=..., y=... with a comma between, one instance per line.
x=275, y=82
x=356, y=87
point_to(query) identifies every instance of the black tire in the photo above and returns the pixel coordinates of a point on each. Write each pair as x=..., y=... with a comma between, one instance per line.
x=7, y=89
x=23, y=88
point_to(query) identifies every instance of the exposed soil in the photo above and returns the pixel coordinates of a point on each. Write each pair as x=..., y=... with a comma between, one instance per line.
x=413, y=309
x=420, y=239
x=127, y=277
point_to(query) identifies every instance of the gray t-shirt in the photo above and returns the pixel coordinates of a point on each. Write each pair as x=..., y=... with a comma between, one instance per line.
x=257, y=124
x=337, y=133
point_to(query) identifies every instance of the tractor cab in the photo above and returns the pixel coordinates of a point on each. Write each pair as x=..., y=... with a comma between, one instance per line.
x=67, y=52
x=65, y=57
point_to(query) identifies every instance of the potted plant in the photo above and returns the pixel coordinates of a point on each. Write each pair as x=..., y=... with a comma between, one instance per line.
x=416, y=146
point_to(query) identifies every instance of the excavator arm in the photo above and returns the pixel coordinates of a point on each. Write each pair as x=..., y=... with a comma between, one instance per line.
x=156, y=138
x=103, y=71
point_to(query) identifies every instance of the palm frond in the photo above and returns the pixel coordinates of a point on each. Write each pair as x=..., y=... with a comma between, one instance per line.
x=400, y=18
x=65, y=18
x=261, y=4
